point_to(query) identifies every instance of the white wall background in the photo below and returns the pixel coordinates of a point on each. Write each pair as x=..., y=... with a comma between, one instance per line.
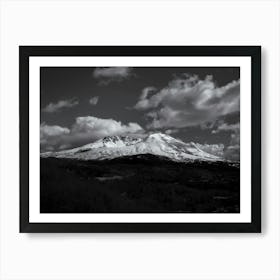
x=139, y=256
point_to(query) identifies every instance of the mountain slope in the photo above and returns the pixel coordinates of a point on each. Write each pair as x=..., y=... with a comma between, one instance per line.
x=118, y=146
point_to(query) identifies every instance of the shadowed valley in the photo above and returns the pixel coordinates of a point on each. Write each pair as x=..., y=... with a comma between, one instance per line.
x=138, y=184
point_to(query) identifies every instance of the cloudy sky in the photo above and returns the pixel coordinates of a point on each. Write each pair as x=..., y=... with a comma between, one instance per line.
x=81, y=105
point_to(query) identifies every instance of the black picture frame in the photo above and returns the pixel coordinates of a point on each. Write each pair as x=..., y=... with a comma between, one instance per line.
x=25, y=52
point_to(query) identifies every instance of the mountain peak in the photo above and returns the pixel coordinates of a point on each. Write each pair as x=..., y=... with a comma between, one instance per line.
x=159, y=135
x=158, y=144
x=111, y=138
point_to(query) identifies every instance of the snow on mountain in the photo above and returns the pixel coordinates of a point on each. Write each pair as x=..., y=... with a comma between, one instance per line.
x=117, y=146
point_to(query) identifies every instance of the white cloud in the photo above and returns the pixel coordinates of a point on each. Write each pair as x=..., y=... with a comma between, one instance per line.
x=52, y=130
x=146, y=92
x=84, y=130
x=171, y=131
x=213, y=149
x=56, y=107
x=188, y=101
x=98, y=128
x=227, y=127
x=51, y=136
x=106, y=75
x=94, y=100
x=232, y=151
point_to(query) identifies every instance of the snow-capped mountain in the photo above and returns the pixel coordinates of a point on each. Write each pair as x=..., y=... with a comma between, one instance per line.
x=118, y=146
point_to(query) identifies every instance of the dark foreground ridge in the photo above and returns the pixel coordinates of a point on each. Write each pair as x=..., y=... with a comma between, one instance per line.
x=138, y=184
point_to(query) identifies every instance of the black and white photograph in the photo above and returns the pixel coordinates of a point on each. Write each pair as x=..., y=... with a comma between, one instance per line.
x=136, y=139
x=140, y=139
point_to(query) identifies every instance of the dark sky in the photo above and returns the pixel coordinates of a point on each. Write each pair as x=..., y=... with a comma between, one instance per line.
x=190, y=103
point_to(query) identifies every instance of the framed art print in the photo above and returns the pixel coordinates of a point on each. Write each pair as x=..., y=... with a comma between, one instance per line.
x=140, y=138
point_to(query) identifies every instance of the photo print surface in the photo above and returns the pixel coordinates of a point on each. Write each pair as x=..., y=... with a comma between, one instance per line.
x=139, y=139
